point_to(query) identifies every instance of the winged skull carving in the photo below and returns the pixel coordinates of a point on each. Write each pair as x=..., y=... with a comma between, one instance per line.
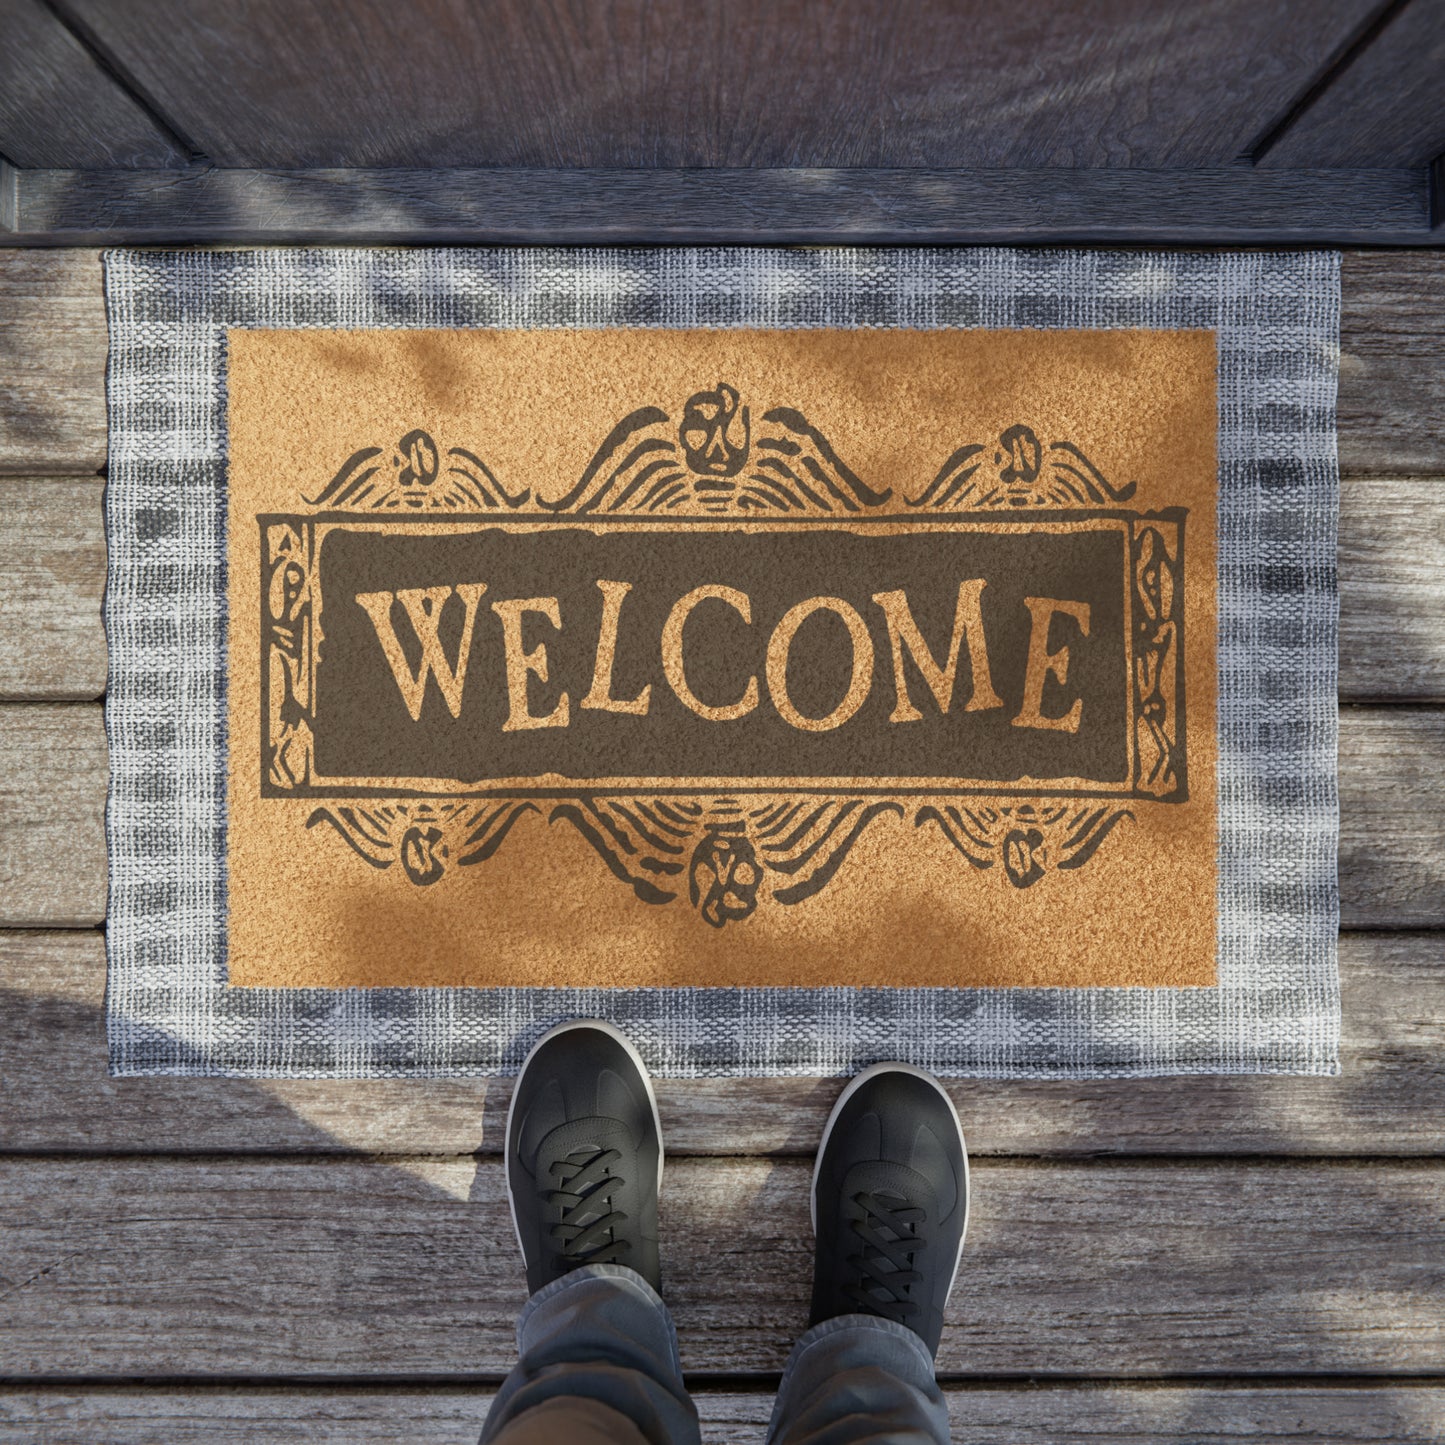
x=1019, y=471
x=716, y=457
x=726, y=853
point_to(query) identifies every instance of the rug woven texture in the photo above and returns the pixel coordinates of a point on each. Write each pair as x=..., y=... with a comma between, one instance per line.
x=1276, y=1006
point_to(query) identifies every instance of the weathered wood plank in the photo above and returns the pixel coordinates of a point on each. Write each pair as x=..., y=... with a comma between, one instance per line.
x=1384, y=107
x=52, y=800
x=52, y=362
x=1219, y=206
x=52, y=576
x=246, y=1269
x=1124, y=83
x=1390, y=1099
x=58, y=107
x=1392, y=818
x=1054, y=1414
x=1392, y=589
x=53, y=773
x=53, y=347
x=1392, y=363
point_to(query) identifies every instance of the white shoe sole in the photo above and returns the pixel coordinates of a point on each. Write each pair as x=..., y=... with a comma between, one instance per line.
x=853, y=1086
x=611, y=1032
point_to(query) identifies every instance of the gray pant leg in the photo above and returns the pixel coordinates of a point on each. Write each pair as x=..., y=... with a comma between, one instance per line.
x=859, y=1380
x=597, y=1363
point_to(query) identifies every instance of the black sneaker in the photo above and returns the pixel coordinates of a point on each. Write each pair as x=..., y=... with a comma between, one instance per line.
x=890, y=1201
x=584, y=1155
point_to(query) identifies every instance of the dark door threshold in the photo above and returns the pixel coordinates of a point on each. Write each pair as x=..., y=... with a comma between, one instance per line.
x=1236, y=205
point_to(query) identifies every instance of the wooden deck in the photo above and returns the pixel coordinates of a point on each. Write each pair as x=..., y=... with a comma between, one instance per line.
x=1199, y=1260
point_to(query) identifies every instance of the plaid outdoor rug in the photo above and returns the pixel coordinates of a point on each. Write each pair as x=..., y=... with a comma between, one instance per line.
x=799, y=657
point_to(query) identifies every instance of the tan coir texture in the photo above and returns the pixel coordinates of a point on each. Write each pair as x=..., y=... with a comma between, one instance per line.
x=902, y=907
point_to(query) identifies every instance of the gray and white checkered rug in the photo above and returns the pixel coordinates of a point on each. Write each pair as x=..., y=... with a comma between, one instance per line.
x=1276, y=1006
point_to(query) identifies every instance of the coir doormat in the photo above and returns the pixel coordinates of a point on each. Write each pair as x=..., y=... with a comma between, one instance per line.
x=800, y=657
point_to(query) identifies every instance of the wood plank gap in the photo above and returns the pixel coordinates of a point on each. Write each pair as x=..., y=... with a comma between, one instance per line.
x=1365, y=1412
x=1003, y=1163
x=698, y=1383
x=1391, y=574
x=702, y=1383
x=1352, y=46
x=1381, y=702
x=261, y=1270
x=1383, y=108
x=1389, y=1101
x=1391, y=786
x=111, y=66
x=1391, y=401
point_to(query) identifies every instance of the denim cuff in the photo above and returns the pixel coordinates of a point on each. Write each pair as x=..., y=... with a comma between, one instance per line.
x=862, y=1324
x=625, y=1278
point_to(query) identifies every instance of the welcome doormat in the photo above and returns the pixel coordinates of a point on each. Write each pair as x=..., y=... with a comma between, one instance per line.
x=800, y=657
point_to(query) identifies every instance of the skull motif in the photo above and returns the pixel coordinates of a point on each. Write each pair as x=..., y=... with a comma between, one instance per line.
x=1025, y=856
x=1154, y=575
x=423, y=854
x=287, y=590
x=715, y=434
x=723, y=878
x=1019, y=457
x=417, y=462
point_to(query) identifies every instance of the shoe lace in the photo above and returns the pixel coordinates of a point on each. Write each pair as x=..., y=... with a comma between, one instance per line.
x=888, y=1226
x=582, y=1187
